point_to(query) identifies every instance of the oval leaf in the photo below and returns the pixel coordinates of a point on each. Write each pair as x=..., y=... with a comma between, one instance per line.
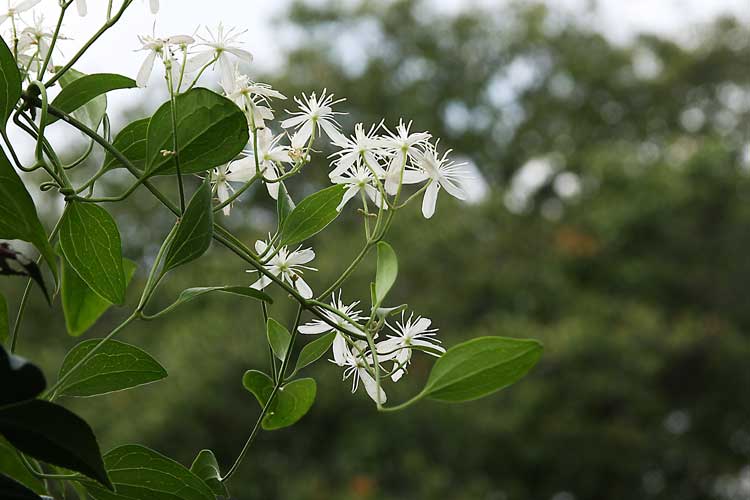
x=387, y=271
x=116, y=366
x=278, y=338
x=290, y=404
x=480, y=367
x=90, y=241
x=314, y=350
x=92, y=112
x=81, y=305
x=194, y=293
x=195, y=231
x=10, y=83
x=211, y=130
x=21, y=380
x=312, y=215
x=84, y=89
x=131, y=142
x=55, y=435
x=206, y=467
x=284, y=204
x=18, y=217
x=139, y=473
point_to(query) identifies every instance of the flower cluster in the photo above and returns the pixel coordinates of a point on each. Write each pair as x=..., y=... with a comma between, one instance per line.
x=373, y=164
x=353, y=352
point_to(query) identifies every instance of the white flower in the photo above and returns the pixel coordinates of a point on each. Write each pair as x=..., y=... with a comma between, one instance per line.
x=81, y=5
x=313, y=111
x=16, y=7
x=270, y=152
x=441, y=172
x=218, y=49
x=286, y=265
x=357, y=365
x=359, y=179
x=317, y=326
x=251, y=97
x=223, y=176
x=403, y=146
x=34, y=44
x=161, y=47
x=361, y=145
x=398, y=347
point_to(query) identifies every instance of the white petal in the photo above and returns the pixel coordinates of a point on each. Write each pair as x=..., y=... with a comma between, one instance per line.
x=293, y=121
x=421, y=324
x=198, y=61
x=300, y=138
x=260, y=246
x=348, y=195
x=262, y=282
x=413, y=176
x=340, y=350
x=371, y=386
x=454, y=189
x=154, y=6
x=303, y=288
x=314, y=327
x=430, y=199
x=145, y=72
x=82, y=10
x=301, y=257
x=243, y=55
x=330, y=130
x=226, y=71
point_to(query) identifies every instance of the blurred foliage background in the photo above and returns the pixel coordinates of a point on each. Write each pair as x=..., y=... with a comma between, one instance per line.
x=615, y=228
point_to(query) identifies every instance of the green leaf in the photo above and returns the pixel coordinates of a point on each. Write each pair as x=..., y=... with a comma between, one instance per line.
x=4, y=324
x=480, y=367
x=387, y=271
x=10, y=489
x=312, y=215
x=314, y=350
x=21, y=380
x=10, y=83
x=211, y=130
x=139, y=473
x=91, y=112
x=195, y=230
x=284, y=204
x=278, y=338
x=291, y=403
x=131, y=142
x=84, y=89
x=12, y=466
x=259, y=384
x=193, y=293
x=53, y=434
x=18, y=217
x=81, y=305
x=116, y=366
x=90, y=241
x=206, y=467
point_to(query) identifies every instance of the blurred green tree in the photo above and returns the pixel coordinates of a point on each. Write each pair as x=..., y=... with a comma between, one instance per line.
x=615, y=230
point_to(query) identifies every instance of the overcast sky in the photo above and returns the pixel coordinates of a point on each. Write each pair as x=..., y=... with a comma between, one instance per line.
x=618, y=19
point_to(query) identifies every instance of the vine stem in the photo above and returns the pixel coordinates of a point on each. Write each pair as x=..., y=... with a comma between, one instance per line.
x=267, y=406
